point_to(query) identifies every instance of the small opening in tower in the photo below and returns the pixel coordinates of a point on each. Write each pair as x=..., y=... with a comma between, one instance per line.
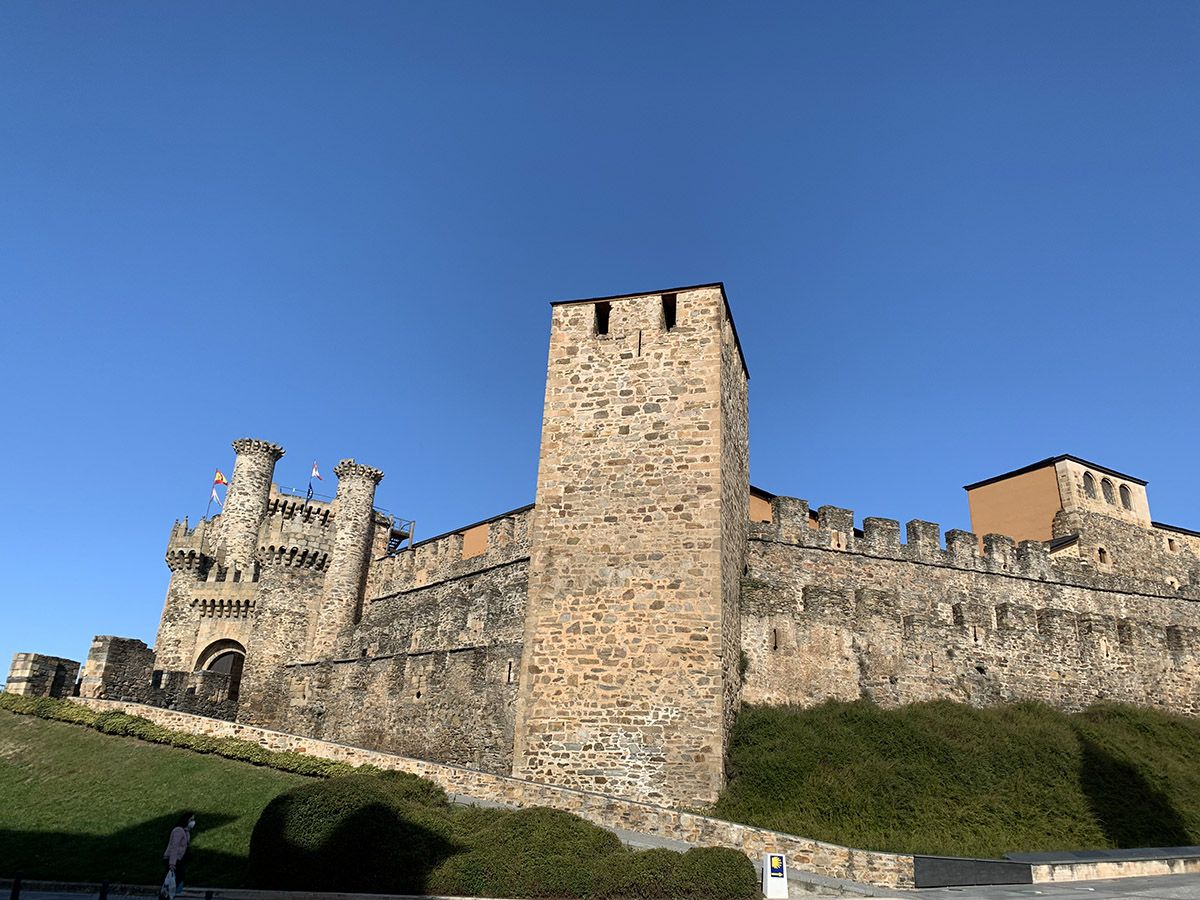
x=669, y=310
x=774, y=638
x=509, y=672
x=602, y=311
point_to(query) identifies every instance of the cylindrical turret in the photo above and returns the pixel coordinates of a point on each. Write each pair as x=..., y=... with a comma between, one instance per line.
x=353, y=511
x=246, y=501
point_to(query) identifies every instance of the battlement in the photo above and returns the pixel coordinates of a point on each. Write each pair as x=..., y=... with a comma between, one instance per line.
x=1125, y=565
x=496, y=541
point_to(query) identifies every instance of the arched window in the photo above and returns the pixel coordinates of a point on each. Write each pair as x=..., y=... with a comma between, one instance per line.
x=1107, y=488
x=1089, y=485
x=227, y=657
x=1126, y=498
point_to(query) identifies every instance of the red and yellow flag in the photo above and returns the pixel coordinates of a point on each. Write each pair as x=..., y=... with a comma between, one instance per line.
x=219, y=479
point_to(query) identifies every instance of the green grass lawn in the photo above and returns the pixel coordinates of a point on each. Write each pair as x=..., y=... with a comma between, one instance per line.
x=78, y=805
x=944, y=778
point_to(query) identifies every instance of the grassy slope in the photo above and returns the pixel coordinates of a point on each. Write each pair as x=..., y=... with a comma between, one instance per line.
x=944, y=778
x=109, y=803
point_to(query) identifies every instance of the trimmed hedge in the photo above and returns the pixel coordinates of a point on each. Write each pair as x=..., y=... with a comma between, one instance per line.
x=359, y=833
x=395, y=833
x=125, y=725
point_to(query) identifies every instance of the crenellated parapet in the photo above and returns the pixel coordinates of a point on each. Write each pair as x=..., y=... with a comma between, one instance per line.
x=1101, y=553
x=256, y=447
x=190, y=549
x=348, y=468
x=832, y=612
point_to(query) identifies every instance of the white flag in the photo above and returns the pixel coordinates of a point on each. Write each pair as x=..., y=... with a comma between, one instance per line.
x=315, y=474
x=215, y=497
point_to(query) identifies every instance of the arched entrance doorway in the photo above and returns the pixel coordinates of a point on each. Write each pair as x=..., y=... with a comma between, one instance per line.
x=227, y=657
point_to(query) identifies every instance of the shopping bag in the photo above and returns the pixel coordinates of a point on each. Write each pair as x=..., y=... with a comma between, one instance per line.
x=167, y=891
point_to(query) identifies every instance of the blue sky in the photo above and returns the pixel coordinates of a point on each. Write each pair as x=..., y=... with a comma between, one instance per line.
x=957, y=238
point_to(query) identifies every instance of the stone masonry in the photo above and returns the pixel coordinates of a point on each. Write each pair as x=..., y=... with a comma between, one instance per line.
x=602, y=638
x=631, y=607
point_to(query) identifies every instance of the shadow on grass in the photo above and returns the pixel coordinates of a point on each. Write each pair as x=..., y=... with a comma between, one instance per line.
x=376, y=849
x=1130, y=811
x=132, y=855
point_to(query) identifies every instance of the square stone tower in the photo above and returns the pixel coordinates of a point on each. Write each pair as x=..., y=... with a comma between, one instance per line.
x=629, y=679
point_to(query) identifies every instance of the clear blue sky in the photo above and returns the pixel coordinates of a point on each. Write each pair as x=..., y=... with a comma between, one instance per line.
x=957, y=238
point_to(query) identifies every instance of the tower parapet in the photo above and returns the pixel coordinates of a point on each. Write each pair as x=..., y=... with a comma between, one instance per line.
x=246, y=502
x=345, y=578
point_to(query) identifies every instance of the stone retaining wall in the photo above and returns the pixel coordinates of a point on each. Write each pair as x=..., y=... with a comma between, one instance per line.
x=885, y=869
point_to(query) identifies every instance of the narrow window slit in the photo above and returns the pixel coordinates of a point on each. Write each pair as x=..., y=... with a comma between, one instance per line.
x=668, y=303
x=602, y=311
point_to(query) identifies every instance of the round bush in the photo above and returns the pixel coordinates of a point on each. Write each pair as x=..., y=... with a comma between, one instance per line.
x=353, y=833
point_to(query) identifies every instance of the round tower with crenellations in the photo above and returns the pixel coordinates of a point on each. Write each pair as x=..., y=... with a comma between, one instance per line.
x=344, y=580
x=246, y=502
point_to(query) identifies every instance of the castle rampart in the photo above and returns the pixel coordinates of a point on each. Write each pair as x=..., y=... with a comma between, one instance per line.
x=604, y=638
x=832, y=613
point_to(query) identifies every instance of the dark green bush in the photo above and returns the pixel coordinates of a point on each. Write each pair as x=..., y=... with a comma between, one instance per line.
x=357, y=833
x=716, y=872
x=407, y=786
x=645, y=875
x=534, y=852
x=703, y=873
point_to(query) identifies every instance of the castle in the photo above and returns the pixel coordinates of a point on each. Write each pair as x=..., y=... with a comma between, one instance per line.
x=604, y=636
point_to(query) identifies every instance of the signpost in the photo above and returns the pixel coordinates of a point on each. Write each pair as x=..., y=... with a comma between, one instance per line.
x=774, y=876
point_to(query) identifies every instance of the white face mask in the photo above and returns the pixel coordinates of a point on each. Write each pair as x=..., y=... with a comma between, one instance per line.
x=191, y=824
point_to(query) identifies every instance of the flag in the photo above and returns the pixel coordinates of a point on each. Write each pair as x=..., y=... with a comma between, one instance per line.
x=214, y=495
x=315, y=474
x=309, y=497
x=219, y=478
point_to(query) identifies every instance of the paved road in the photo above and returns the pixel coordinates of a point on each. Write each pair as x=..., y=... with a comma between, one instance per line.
x=1160, y=887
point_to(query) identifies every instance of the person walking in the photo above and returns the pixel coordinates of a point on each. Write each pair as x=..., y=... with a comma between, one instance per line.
x=175, y=856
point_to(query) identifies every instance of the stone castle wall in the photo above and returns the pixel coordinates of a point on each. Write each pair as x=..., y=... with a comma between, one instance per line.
x=434, y=658
x=831, y=614
x=38, y=675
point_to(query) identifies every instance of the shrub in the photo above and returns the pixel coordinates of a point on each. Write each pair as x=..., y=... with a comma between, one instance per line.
x=534, y=852
x=702, y=873
x=406, y=786
x=645, y=875
x=347, y=834
x=715, y=872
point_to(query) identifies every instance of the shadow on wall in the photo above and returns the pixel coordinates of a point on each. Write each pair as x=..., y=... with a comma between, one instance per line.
x=1130, y=810
x=132, y=855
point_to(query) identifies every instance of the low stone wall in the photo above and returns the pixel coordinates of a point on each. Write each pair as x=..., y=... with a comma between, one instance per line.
x=830, y=860
x=1139, y=868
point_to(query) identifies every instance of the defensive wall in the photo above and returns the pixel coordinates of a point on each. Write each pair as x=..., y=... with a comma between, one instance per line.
x=603, y=637
x=831, y=612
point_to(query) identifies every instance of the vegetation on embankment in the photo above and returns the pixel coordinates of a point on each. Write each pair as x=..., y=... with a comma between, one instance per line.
x=91, y=804
x=78, y=805
x=945, y=778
